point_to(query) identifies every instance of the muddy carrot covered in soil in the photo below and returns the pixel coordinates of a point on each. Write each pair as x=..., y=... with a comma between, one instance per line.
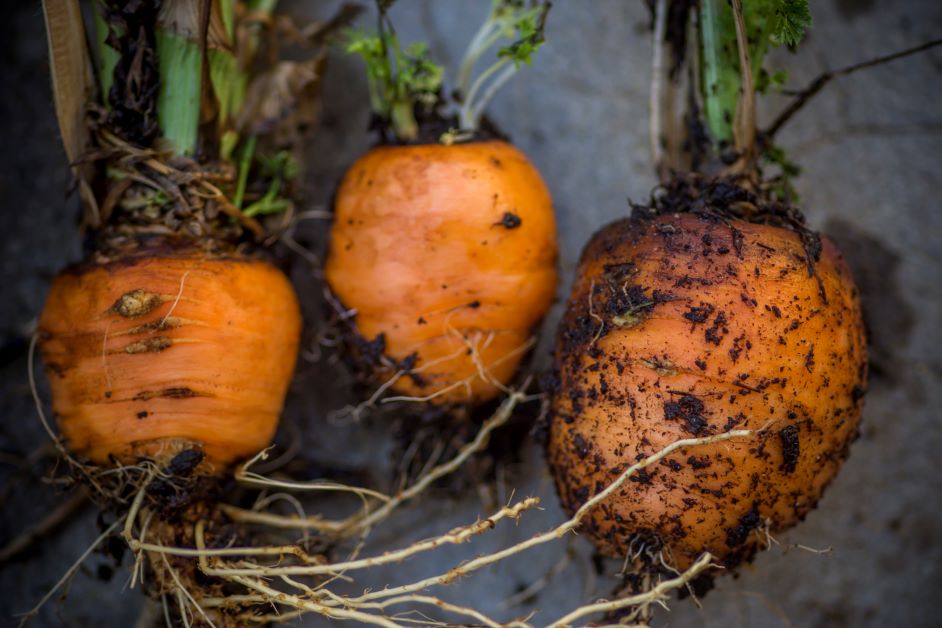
x=713, y=308
x=444, y=240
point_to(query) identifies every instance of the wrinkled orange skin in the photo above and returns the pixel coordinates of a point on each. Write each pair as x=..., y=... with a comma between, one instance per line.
x=208, y=369
x=419, y=250
x=768, y=349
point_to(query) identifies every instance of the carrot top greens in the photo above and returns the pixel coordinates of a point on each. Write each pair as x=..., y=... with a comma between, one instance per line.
x=177, y=37
x=404, y=81
x=399, y=80
x=767, y=23
x=508, y=20
x=718, y=49
x=197, y=125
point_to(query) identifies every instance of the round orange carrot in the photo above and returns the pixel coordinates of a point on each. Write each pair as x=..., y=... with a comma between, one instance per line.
x=686, y=326
x=447, y=256
x=153, y=355
x=170, y=349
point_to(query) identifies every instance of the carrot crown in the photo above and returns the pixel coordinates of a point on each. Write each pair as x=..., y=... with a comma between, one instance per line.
x=404, y=82
x=190, y=123
x=724, y=74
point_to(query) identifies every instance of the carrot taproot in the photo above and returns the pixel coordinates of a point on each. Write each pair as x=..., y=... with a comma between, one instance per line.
x=150, y=356
x=682, y=326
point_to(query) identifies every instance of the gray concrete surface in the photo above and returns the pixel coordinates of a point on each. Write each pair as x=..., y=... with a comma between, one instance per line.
x=871, y=148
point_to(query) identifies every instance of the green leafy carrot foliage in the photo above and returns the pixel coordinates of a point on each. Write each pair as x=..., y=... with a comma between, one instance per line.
x=768, y=23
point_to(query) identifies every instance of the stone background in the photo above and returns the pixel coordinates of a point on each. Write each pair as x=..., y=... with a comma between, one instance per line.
x=871, y=147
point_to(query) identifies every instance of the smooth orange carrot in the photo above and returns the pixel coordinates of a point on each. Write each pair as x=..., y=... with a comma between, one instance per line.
x=448, y=253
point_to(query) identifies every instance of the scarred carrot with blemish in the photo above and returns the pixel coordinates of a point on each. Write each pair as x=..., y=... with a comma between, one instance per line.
x=141, y=356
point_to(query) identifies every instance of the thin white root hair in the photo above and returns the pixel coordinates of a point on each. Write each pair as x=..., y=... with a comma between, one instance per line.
x=355, y=413
x=94, y=477
x=369, y=607
x=176, y=300
x=183, y=595
x=70, y=572
x=467, y=347
x=366, y=517
x=305, y=604
x=269, y=573
x=251, y=478
x=43, y=527
x=569, y=526
x=655, y=595
x=482, y=371
x=540, y=583
x=31, y=372
x=329, y=604
x=500, y=417
x=259, y=579
x=811, y=550
x=454, y=537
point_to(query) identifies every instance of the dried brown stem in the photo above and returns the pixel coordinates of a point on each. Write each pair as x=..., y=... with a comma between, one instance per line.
x=72, y=86
x=803, y=96
x=745, y=133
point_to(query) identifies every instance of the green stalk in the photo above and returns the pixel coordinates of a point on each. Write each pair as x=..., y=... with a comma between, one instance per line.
x=245, y=164
x=107, y=56
x=478, y=111
x=720, y=64
x=470, y=104
x=479, y=44
x=229, y=86
x=181, y=68
x=767, y=22
x=375, y=92
x=506, y=20
x=401, y=105
x=224, y=75
x=227, y=9
x=229, y=80
x=402, y=117
x=258, y=7
x=398, y=80
x=263, y=6
x=228, y=83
